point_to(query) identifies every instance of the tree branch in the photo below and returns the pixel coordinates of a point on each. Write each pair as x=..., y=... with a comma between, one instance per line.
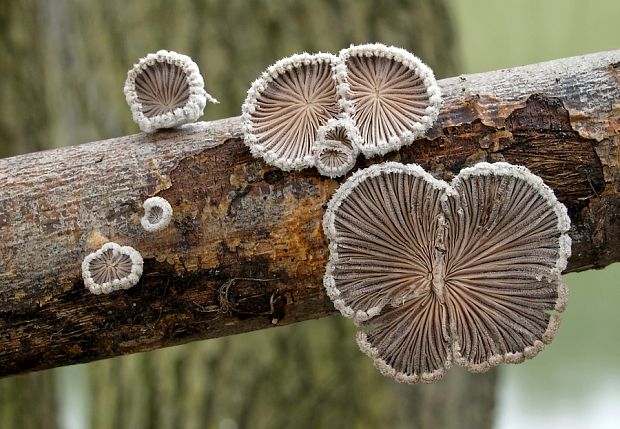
x=246, y=249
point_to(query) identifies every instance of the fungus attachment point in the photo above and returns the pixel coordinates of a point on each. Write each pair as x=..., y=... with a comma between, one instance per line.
x=336, y=147
x=164, y=90
x=435, y=274
x=112, y=268
x=286, y=106
x=157, y=214
x=394, y=95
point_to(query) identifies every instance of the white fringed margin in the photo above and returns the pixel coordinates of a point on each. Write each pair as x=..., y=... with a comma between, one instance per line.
x=116, y=284
x=194, y=106
x=166, y=215
x=272, y=73
x=420, y=69
x=347, y=124
x=389, y=371
x=528, y=352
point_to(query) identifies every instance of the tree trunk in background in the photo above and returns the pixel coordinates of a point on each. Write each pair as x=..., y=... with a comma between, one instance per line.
x=28, y=401
x=64, y=66
x=309, y=375
x=23, y=114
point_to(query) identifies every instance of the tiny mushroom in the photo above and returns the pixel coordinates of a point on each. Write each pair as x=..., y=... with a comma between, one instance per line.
x=336, y=147
x=437, y=273
x=111, y=268
x=288, y=103
x=164, y=90
x=157, y=214
x=394, y=96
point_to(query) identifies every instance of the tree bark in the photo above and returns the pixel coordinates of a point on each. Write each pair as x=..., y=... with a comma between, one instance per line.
x=246, y=249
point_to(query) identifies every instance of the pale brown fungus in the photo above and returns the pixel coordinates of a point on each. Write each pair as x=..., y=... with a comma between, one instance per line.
x=336, y=147
x=287, y=105
x=394, y=95
x=436, y=273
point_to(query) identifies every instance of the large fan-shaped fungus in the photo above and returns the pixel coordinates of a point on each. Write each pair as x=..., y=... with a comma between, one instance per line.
x=436, y=273
x=394, y=95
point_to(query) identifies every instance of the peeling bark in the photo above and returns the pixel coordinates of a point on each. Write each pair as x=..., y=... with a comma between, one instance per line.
x=246, y=250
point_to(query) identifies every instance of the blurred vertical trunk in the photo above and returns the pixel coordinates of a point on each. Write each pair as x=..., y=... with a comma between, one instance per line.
x=29, y=401
x=309, y=375
x=63, y=72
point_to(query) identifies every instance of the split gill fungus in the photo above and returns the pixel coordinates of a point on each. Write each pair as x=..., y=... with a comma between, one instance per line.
x=164, y=90
x=436, y=273
x=111, y=268
x=394, y=96
x=336, y=147
x=387, y=94
x=287, y=105
x=157, y=214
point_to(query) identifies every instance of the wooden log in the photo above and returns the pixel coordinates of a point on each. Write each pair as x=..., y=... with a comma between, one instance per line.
x=246, y=250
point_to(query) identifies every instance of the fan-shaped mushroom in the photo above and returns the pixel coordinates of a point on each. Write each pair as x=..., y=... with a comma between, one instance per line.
x=336, y=147
x=436, y=273
x=111, y=268
x=287, y=105
x=394, y=95
x=164, y=90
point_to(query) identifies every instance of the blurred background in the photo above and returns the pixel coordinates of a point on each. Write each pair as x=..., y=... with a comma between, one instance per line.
x=62, y=68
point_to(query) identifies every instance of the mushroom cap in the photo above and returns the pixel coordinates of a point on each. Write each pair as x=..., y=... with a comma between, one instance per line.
x=505, y=264
x=394, y=95
x=376, y=239
x=336, y=147
x=157, y=214
x=164, y=90
x=287, y=105
x=435, y=273
x=111, y=268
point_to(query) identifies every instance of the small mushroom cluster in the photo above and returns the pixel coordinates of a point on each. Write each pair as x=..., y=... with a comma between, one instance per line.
x=436, y=274
x=322, y=110
x=114, y=267
x=164, y=90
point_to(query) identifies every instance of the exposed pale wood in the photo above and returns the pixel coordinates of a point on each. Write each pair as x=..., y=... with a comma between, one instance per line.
x=246, y=250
